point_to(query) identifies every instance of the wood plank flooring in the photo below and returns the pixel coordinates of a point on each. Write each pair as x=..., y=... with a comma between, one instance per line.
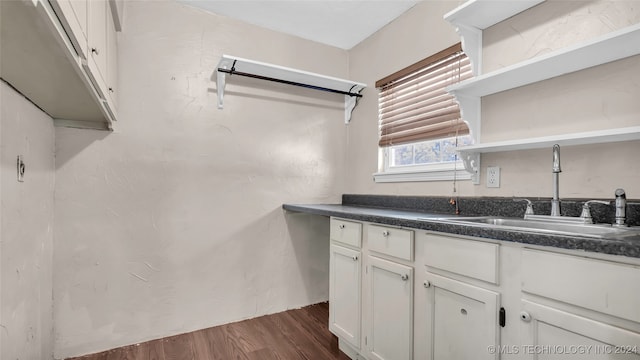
x=290, y=335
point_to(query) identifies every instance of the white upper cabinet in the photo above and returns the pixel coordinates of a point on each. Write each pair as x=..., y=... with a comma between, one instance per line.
x=75, y=18
x=97, y=60
x=112, y=61
x=101, y=65
x=46, y=56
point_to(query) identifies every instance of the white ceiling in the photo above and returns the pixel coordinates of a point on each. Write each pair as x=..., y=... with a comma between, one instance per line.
x=340, y=23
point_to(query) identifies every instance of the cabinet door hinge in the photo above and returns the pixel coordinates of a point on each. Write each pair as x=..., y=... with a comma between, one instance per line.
x=503, y=316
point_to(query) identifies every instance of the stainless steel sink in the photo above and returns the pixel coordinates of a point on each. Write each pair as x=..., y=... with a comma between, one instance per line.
x=570, y=227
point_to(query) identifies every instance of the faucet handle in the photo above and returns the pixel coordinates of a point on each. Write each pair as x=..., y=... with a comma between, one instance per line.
x=621, y=208
x=586, y=211
x=529, y=210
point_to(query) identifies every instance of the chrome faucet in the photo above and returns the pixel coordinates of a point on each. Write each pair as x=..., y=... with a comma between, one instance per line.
x=555, y=202
x=621, y=208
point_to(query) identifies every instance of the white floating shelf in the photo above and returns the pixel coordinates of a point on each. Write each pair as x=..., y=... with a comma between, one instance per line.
x=235, y=66
x=474, y=16
x=482, y=14
x=581, y=138
x=610, y=47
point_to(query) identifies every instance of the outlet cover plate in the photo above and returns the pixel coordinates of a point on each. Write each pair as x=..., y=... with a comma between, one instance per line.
x=493, y=176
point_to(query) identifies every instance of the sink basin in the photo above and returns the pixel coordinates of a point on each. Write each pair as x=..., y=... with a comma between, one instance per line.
x=572, y=228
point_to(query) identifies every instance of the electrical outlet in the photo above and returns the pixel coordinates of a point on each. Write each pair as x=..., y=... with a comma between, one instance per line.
x=493, y=177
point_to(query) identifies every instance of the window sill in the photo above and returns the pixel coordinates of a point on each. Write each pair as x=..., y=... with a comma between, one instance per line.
x=416, y=175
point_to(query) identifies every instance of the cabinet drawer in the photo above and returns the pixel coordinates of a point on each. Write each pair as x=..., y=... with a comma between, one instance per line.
x=475, y=259
x=608, y=287
x=391, y=241
x=346, y=232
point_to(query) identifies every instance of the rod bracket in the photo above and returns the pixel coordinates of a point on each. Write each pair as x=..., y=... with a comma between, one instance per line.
x=350, y=103
x=221, y=83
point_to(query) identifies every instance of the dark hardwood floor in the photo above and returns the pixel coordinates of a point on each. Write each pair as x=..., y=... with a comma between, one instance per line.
x=294, y=334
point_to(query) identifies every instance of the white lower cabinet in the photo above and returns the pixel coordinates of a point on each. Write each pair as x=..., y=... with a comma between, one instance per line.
x=607, y=287
x=556, y=334
x=345, y=284
x=390, y=310
x=344, y=294
x=460, y=298
x=403, y=294
x=578, y=306
x=371, y=290
x=463, y=319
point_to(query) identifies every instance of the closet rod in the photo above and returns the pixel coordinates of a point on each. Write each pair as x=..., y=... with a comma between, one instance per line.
x=232, y=71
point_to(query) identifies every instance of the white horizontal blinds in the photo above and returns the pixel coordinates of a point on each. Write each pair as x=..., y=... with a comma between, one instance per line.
x=414, y=104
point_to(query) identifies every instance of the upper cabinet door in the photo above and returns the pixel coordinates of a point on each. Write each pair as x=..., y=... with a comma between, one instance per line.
x=73, y=15
x=97, y=60
x=112, y=61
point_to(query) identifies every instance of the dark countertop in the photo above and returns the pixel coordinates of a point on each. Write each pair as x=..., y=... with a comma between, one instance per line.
x=412, y=218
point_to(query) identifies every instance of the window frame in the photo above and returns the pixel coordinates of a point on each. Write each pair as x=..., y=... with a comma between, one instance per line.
x=417, y=172
x=423, y=172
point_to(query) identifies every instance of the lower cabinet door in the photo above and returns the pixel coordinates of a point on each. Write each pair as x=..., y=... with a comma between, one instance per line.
x=556, y=334
x=463, y=319
x=344, y=294
x=390, y=313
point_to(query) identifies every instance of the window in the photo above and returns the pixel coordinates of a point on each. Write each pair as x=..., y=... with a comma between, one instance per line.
x=419, y=121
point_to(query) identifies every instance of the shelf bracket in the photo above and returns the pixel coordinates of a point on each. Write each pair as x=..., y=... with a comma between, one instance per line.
x=470, y=110
x=471, y=39
x=221, y=83
x=350, y=103
x=471, y=161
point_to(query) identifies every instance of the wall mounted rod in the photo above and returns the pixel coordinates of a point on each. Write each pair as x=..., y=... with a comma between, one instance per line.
x=233, y=72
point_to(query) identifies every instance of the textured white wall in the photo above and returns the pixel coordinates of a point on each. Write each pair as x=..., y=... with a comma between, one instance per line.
x=597, y=98
x=26, y=229
x=173, y=222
